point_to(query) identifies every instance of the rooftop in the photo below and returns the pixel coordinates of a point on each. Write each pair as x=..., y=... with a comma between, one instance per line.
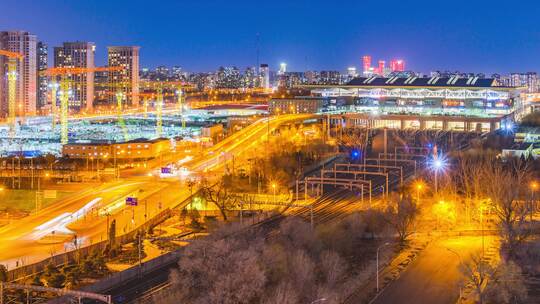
x=471, y=82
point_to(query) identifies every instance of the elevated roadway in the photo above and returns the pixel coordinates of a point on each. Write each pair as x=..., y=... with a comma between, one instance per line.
x=84, y=214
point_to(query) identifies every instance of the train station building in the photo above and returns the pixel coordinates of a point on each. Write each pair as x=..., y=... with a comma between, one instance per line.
x=451, y=103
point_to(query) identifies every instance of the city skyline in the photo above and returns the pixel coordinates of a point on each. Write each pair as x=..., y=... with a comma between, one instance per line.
x=204, y=36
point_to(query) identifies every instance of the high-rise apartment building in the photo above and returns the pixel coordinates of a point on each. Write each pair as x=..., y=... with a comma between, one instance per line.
x=397, y=65
x=26, y=88
x=264, y=73
x=282, y=68
x=42, y=80
x=366, y=64
x=351, y=72
x=249, y=79
x=228, y=78
x=528, y=80
x=126, y=80
x=381, y=67
x=78, y=55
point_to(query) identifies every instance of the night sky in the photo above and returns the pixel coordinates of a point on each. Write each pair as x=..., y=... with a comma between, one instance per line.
x=470, y=36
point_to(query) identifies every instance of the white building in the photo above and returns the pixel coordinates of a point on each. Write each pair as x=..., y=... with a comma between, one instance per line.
x=264, y=73
x=26, y=96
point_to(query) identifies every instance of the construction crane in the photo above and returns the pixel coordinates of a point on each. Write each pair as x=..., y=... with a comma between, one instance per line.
x=181, y=99
x=119, y=100
x=158, y=95
x=54, y=111
x=178, y=88
x=12, y=87
x=159, y=112
x=64, y=72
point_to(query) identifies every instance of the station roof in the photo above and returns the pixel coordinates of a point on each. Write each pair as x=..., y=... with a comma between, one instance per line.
x=261, y=107
x=413, y=81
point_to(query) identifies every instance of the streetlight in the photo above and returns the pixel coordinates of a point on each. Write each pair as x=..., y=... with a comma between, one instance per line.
x=274, y=190
x=534, y=187
x=437, y=164
x=419, y=185
x=482, y=208
x=379, y=248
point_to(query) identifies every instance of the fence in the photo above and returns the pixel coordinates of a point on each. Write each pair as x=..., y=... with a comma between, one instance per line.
x=70, y=256
x=122, y=277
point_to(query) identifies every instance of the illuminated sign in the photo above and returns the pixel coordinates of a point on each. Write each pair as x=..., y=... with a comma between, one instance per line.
x=132, y=201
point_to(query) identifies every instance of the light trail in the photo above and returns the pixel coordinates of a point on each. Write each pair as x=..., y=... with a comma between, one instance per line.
x=59, y=224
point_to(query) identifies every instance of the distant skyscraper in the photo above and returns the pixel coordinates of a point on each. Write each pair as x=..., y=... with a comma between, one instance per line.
x=312, y=77
x=228, y=78
x=264, y=73
x=528, y=80
x=177, y=72
x=26, y=96
x=78, y=55
x=381, y=67
x=330, y=77
x=282, y=68
x=397, y=65
x=351, y=72
x=366, y=64
x=42, y=81
x=162, y=71
x=127, y=79
x=249, y=79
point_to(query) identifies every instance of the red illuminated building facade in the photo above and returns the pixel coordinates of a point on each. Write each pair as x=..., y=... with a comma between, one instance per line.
x=396, y=65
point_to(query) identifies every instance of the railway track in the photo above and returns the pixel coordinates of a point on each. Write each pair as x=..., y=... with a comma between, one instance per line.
x=335, y=204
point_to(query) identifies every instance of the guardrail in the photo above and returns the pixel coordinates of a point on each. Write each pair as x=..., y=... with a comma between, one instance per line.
x=70, y=256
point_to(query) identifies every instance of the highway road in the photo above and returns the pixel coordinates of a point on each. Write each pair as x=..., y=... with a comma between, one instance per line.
x=83, y=214
x=434, y=276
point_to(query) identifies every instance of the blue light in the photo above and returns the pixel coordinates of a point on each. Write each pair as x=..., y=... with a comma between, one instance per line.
x=355, y=154
x=508, y=126
x=438, y=163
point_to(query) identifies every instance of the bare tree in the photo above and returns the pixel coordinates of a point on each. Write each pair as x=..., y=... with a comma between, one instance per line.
x=507, y=286
x=504, y=185
x=217, y=271
x=468, y=178
x=219, y=195
x=477, y=272
x=354, y=139
x=401, y=214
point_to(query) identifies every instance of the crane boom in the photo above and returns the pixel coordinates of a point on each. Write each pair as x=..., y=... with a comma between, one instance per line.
x=11, y=54
x=64, y=72
x=71, y=71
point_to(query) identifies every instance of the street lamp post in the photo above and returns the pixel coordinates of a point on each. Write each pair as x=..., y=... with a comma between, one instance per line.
x=482, y=228
x=534, y=187
x=274, y=190
x=379, y=248
x=419, y=187
x=437, y=165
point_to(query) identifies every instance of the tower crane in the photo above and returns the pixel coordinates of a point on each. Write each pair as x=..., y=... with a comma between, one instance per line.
x=178, y=89
x=181, y=100
x=13, y=57
x=159, y=112
x=64, y=72
x=158, y=95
